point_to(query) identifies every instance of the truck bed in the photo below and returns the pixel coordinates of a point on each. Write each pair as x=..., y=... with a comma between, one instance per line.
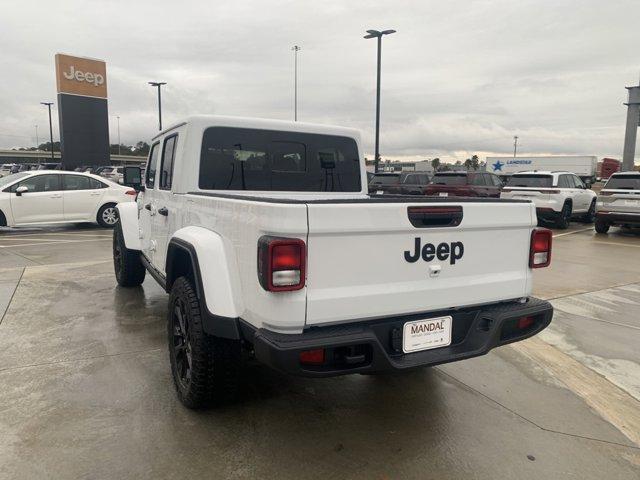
x=357, y=250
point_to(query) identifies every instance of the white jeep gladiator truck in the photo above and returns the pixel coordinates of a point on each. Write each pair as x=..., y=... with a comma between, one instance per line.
x=264, y=235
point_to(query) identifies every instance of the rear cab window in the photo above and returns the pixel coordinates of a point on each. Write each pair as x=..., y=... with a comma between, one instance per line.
x=623, y=182
x=534, y=181
x=450, y=179
x=386, y=179
x=270, y=160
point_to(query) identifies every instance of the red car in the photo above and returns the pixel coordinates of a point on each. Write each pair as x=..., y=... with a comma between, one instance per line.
x=464, y=184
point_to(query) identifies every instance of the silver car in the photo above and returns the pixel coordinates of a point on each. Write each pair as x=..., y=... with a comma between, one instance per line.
x=619, y=202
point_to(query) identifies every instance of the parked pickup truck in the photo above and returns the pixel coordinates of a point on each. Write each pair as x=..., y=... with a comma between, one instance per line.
x=264, y=236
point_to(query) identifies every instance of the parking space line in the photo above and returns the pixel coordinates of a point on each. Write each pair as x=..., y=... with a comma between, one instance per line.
x=612, y=403
x=56, y=242
x=9, y=240
x=13, y=294
x=41, y=234
x=571, y=233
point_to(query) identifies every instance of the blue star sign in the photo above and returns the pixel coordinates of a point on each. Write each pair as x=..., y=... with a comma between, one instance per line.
x=497, y=166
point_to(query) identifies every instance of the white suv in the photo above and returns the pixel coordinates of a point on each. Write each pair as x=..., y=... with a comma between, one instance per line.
x=558, y=196
x=619, y=202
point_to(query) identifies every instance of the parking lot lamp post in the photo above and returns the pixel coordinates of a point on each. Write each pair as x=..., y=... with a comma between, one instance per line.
x=118, y=117
x=48, y=104
x=295, y=49
x=158, y=85
x=377, y=34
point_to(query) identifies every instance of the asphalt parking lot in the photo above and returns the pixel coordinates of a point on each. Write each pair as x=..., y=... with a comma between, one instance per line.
x=87, y=392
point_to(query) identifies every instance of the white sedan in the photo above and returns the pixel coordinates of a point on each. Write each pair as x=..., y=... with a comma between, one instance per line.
x=54, y=196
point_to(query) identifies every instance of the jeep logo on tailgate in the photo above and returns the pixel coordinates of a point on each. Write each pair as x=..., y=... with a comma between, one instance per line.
x=452, y=251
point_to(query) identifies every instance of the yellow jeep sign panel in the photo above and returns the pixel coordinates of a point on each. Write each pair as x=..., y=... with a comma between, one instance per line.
x=81, y=76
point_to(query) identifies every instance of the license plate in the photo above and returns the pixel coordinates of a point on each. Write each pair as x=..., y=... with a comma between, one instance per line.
x=631, y=203
x=444, y=194
x=380, y=192
x=426, y=334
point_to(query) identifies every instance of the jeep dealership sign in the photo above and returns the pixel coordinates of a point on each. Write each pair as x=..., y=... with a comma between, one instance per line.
x=81, y=76
x=82, y=111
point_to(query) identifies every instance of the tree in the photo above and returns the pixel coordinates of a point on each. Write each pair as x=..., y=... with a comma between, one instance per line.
x=475, y=162
x=47, y=146
x=435, y=163
x=141, y=149
x=467, y=164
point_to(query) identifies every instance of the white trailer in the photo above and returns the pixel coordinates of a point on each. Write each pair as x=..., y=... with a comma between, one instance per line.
x=583, y=166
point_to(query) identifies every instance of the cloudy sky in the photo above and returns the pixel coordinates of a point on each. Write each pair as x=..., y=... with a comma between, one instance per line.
x=458, y=78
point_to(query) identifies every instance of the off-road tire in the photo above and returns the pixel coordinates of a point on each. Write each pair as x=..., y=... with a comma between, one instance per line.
x=564, y=217
x=590, y=216
x=103, y=218
x=127, y=265
x=602, y=226
x=215, y=363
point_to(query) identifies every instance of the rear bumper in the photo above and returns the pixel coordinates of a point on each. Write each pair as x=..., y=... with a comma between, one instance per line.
x=376, y=346
x=626, y=218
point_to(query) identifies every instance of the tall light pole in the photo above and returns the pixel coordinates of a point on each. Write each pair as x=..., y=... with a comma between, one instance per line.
x=118, y=117
x=515, y=146
x=377, y=34
x=158, y=85
x=37, y=143
x=48, y=104
x=295, y=49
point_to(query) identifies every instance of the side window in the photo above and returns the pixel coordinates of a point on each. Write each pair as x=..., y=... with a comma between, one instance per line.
x=76, y=182
x=411, y=180
x=494, y=180
x=563, y=182
x=152, y=165
x=40, y=183
x=477, y=179
x=96, y=183
x=166, y=170
x=578, y=182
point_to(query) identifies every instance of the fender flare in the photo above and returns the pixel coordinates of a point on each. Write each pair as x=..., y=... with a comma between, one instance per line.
x=213, y=269
x=128, y=213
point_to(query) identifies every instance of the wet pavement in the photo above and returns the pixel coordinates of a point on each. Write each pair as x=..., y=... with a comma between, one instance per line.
x=87, y=393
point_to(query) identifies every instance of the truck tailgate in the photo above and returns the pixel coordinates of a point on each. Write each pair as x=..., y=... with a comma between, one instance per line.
x=358, y=268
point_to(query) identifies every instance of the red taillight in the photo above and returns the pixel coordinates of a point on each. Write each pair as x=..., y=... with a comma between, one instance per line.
x=131, y=192
x=281, y=263
x=525, y=322
x=312, y=357
x=540, y=250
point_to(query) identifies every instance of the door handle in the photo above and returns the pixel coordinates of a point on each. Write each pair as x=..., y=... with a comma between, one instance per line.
x=55, y=196
x=163, y=211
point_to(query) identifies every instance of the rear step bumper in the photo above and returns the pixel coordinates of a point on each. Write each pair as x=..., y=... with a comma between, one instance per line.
x=612, y=216
x=376, y=346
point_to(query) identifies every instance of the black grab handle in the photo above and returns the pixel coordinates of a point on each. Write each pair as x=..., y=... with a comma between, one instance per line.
x=435, y=216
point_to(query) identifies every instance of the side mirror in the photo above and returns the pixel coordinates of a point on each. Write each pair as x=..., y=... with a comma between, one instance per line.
x=21, y=189
x=132, y=177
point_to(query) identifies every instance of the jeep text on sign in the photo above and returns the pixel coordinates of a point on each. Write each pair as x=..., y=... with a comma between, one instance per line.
x=81, y=76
